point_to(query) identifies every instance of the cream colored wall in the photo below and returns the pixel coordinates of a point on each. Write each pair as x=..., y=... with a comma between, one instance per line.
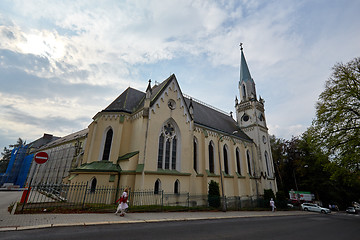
x=159, y=114
x=234, y=186
x=90, y=142
x=122, y=130
x=129, y=136
x=129, y=164
x=127, y=180
x=101, y=178
x=132, y=138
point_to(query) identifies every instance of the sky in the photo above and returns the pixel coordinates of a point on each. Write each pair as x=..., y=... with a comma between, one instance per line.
x=61, y=62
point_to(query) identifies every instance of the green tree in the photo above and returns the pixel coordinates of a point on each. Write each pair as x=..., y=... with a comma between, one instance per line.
x=281, y=199
x=311, y=169
x=278, y=153
x=304, y=160
x=338, y=115
x=214, y=194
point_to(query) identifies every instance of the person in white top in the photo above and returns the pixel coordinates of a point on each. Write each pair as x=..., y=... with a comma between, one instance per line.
x=122, y=203
x=272, y=205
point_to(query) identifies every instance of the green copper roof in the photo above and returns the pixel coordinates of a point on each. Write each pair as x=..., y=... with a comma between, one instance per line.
x=98, y=166
x=128, y=155
x=244, y=70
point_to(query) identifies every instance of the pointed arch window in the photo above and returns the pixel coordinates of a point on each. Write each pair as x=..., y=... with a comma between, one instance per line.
x=168, y=147
x=211, y=157
x=195, y=155
x=157, y=187
x=238, y=166
x=93, y=185
x=244, y=91
x=226, y=161
x=161, y=151
x=173, y=153
x=177, y=187
x=248, y=161
x=267, y=163
x=107, y=144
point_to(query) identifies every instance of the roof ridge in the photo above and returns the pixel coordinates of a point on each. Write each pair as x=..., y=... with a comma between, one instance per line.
x=206, y=104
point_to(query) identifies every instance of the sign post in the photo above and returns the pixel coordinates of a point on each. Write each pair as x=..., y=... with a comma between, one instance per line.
x=40, y=158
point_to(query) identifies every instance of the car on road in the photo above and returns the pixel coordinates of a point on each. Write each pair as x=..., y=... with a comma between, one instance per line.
x=314, y=208
x=351, y=210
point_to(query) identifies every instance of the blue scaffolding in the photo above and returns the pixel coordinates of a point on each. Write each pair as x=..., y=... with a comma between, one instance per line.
x=18, y=167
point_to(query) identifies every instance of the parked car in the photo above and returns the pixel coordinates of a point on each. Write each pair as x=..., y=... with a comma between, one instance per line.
x=314, y=208
x=351, y=210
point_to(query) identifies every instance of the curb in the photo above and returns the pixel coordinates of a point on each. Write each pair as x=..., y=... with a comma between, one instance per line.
x=20, y=228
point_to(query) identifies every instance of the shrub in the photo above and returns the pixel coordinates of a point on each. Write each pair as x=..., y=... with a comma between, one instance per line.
x=214, y=194
x=281, y=199
x=268, y=194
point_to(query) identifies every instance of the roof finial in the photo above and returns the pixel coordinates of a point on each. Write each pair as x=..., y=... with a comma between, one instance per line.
x=241, y=48
x=148, y=89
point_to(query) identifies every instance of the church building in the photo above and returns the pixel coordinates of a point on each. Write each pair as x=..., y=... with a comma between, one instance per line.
x=161, y=139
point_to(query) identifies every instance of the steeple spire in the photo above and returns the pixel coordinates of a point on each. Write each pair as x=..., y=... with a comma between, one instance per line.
x=244, y=70
x=246, y=83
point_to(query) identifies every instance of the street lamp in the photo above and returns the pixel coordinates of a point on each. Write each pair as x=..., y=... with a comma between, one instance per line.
x=297, y=189
x=221, y=175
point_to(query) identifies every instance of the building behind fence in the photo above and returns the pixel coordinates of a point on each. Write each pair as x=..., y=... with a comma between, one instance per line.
x=82, y=196
x=64, y=153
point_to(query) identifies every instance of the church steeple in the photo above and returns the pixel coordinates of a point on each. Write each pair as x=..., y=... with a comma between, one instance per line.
x=246, y=83
x=250, y=115
x=244, y=69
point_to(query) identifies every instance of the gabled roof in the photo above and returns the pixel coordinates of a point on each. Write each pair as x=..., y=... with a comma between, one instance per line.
x=67, y=138
x=212, y=119
x=44, y=140
x=132, y=100
x=158, y=89
x=128, y=101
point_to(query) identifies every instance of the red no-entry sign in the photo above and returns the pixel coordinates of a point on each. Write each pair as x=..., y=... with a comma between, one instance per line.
x=41, y=157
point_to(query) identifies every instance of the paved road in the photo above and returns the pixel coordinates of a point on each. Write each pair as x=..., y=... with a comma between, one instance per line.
x=8, y=197
x=10, y=222
x=308, y=226
x=178, y=225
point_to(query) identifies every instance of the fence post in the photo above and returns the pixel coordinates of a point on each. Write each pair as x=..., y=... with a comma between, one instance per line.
x=83, y=204
x=162, y=199
x=188, y=200
x=26, y=196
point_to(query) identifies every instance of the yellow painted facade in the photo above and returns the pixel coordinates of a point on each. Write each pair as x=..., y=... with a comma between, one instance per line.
x=137, y=134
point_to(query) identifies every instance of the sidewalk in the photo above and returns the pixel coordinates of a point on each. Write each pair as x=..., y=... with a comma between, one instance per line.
x=10, y=222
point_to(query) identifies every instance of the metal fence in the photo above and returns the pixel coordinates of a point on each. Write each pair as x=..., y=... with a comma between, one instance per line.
x=82, y=196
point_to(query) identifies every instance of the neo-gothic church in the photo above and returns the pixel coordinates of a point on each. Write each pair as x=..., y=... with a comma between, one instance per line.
x=162, y=140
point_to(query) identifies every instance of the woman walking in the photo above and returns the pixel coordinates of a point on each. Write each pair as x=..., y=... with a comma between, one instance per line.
x=122, y=203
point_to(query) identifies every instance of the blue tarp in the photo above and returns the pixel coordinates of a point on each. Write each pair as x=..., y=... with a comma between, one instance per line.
x=18, y=167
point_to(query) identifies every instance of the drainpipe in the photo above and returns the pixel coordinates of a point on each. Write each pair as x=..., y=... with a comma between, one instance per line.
x=117, y=187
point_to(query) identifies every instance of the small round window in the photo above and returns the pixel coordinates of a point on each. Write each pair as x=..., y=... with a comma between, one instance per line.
x=246, y=118
x=171, y=104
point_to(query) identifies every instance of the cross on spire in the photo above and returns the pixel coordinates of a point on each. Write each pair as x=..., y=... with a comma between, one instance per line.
x=241, y=48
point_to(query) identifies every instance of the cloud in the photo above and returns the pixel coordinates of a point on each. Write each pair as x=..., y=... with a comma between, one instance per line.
x=66, y=60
